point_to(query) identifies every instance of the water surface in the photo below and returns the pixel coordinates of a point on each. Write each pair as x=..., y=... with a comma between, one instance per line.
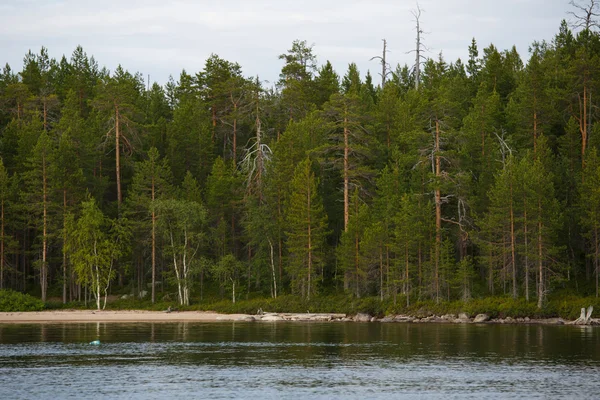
x=302, y=360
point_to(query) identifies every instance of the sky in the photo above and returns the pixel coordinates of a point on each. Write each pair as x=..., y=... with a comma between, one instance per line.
x=160, y=38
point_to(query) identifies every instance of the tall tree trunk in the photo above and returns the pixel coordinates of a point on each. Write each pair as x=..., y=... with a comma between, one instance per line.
x=596, y=256
x=438, y=213
x=417, y=16
x=383, y=66
x=512, y=243
x=310, y=260
x=356, y=263
x=44, y=267
x=482, y=133
x=274, y=285
x=583, y=124
x=346, y=171
x=153, y=243
x=535, y=124
x=526, y=242
x=540, y=260
x=235, y=135
x=407, y=287
x=118, y=156
x=381, y=271
x=2, y=244
x=64, y=246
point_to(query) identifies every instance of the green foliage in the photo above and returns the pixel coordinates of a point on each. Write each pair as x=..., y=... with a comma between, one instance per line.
x=11, y=301
x=94, y=245
x=227, y=271
x=306, y=230
x=481, y=183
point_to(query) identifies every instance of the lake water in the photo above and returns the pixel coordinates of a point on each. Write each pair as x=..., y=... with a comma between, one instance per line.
x=297, y=360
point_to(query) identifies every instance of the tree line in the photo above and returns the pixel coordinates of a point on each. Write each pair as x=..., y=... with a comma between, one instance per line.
x=446, y=181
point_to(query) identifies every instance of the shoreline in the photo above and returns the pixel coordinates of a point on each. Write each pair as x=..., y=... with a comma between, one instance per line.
x=124, y=316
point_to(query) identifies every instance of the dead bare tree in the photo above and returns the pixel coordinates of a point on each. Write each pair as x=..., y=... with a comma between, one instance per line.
x=419, y=48
x=385, y=67
x=585, y=16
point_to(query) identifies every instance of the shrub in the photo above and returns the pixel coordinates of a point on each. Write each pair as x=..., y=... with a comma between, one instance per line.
x=11, y=301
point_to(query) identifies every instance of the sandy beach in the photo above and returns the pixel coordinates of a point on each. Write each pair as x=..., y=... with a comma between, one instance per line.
x=115, y=316
x=65, y=316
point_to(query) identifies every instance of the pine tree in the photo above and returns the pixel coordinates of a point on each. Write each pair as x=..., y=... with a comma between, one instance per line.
x=349, y=251
x=350, y=149
x=306, y=230
x=500, y=225
x=117, y=99
x=590, y=206
x=151, y=181
x=68, y=183
x=327, y=83
x=406, y=239
x=543, y=219
x=223, y=200
x=39, y=200
x=296, y=80
x=189, y=143
x=4, y=192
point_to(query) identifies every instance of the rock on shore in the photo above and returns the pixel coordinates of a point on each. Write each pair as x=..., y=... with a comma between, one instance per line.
x=462, y=318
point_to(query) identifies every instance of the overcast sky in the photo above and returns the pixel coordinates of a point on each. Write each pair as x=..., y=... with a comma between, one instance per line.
x=161, y=38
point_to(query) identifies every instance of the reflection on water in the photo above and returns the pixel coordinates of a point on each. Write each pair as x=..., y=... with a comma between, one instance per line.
x=274, y=360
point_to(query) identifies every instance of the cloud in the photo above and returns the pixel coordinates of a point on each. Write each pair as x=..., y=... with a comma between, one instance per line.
x=159, y=37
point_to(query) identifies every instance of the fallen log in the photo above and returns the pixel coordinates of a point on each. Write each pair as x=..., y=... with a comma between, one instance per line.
x=586, y=316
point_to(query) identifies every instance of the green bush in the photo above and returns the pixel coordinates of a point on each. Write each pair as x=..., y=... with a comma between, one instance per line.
x=11, y=301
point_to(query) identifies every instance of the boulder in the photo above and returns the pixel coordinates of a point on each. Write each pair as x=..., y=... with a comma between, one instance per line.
x=438, y=319
x=361, y=317
x=463, y=316
x=481, y=318
x=554, y=321
x=246, y=318
x=461, y=321
x=320, y=318
x=388, y=318
x=526, y=319
x=271, y=318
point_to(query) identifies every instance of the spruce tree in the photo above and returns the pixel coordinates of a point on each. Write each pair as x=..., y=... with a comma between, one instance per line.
x=306, y=231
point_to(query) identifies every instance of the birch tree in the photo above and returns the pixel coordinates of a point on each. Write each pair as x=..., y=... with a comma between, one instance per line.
x=180, y=222
x=95, y=243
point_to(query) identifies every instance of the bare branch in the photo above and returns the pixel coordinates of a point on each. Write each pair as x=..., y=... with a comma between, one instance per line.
x=585, y=15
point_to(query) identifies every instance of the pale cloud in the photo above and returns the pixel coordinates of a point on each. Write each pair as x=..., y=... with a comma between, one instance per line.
x=161, y=38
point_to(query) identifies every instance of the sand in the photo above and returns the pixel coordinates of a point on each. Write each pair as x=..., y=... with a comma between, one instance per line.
x=115, y=316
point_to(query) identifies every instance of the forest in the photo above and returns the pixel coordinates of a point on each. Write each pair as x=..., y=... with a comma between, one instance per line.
x=441, y=181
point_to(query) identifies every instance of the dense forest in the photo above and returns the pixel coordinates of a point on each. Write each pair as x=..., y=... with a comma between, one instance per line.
x=447, y=181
